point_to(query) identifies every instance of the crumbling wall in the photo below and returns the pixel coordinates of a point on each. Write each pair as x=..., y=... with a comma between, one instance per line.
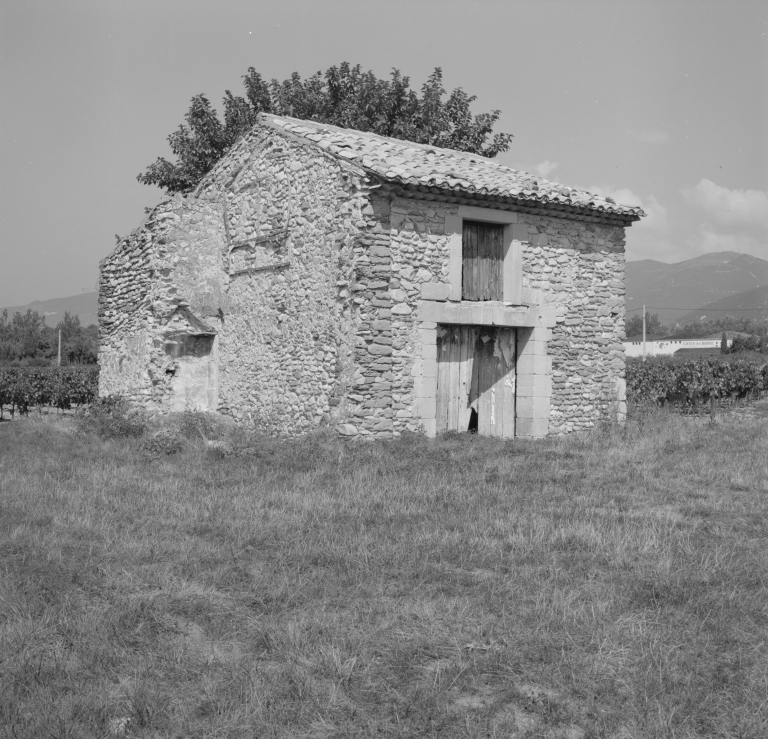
x=285, y=341
x=162, y=282
x=126, y=280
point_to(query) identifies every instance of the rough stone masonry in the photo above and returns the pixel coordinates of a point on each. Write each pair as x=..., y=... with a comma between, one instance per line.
x=308, y=278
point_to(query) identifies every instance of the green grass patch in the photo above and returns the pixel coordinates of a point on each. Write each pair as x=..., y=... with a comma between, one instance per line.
x=611, y=584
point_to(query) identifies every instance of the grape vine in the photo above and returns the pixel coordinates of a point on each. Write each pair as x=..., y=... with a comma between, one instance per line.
x=22, y=388
x=690, y=382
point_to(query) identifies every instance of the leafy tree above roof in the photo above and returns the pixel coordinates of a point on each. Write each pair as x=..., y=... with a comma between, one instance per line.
x=344, y=96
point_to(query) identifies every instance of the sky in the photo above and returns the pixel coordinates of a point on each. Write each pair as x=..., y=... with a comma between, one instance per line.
x=659, y=104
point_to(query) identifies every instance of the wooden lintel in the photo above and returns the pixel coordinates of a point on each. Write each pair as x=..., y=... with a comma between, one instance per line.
x=274, y=236
x=262, y=268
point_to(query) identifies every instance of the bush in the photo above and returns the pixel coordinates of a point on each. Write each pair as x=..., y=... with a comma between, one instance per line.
x=752, y=343
x=163, y=443
x=111, y=418
x=196, y=425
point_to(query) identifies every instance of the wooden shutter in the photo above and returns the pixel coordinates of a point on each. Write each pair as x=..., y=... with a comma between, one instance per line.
x=482, y=261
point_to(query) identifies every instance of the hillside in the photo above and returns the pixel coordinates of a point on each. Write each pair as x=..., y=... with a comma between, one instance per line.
x=84, y=305
x=693, y=283
x=703, y=281
x=741, y=305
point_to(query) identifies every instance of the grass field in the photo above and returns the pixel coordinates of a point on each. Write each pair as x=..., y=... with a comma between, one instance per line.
x=613, y=584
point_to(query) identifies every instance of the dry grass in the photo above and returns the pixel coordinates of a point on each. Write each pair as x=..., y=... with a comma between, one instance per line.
x=607, y=585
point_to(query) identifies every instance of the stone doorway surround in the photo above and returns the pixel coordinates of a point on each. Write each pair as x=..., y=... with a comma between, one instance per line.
x=441, y=304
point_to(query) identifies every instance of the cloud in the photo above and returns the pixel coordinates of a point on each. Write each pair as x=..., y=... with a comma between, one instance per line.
x=655, y=213
x=736, y=220
x=743, y=209
x=648, y=238
x=709, y=239
x=650, y=136
x=546, y=167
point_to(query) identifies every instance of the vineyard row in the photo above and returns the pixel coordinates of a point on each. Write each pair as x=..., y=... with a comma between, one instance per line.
x=22, y=388
x=657, y=381
x=662, y=381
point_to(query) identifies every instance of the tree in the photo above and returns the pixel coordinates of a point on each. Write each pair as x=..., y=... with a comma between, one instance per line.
x=79, y=345
x=707, y=327
x=723, y=344
x=25, y=338
x=343, y=96
x=653, y=326
x=752, y=343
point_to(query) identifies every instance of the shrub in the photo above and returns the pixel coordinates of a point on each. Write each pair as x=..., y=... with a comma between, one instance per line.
x=163, y=443
x=111, y=418
x=196, y=425
x=752, y=343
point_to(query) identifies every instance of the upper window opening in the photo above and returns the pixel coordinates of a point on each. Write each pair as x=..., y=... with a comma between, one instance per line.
x=482, y=261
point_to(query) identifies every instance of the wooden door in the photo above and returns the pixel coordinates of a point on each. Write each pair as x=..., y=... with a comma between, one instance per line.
x=476, y=380
x=482, y=261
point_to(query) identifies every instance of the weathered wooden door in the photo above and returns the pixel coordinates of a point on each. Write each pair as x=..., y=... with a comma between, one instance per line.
x=476, y=379
x=482, y=261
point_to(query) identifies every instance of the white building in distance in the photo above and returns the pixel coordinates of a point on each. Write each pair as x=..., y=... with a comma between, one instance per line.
x=656, y=346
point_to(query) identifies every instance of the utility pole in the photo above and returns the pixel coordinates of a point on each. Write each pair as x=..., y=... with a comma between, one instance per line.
x=643, y=333
x=59, y=364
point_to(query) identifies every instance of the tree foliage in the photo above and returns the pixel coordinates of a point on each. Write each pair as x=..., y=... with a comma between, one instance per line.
x=653, y=326
x=633, y=326
x=343, y=96
x=724, y=323
x=751, y=343
x=26, y=339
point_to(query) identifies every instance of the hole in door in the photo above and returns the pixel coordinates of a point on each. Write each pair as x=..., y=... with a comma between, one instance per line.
x=472, y=428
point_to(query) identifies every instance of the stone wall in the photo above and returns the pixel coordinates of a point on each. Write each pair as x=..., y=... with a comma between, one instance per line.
x=579, y=268
x=403, y=248
x=127, y=278
x=310, y=278
x=164, y=280
x=575, y=267
x=262, y=255
x=287, y=339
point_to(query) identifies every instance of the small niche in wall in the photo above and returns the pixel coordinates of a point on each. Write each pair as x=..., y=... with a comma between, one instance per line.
x=192, y=371
x=188, y=345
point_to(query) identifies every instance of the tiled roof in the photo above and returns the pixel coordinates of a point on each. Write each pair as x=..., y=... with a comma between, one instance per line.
x=430, y=168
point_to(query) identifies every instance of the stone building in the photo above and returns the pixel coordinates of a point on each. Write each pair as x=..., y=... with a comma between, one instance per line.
x=323, y=276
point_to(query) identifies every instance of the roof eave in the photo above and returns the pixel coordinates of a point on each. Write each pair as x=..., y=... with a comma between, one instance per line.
x=519, y=204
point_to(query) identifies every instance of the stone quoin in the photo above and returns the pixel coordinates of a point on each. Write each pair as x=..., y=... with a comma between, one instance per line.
x=324, y=276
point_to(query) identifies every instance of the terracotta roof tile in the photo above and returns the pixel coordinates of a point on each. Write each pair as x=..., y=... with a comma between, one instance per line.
x=421, y=165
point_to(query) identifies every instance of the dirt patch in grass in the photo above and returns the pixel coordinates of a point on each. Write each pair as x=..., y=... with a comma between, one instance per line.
x=610, y=584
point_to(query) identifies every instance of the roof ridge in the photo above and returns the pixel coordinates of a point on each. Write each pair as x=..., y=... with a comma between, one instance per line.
x=427, y=167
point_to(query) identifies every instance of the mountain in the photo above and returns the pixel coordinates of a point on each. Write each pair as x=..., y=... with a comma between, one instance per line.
x=84, y=305
x=741, y=305
x=691, y=284
x=707, y=281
